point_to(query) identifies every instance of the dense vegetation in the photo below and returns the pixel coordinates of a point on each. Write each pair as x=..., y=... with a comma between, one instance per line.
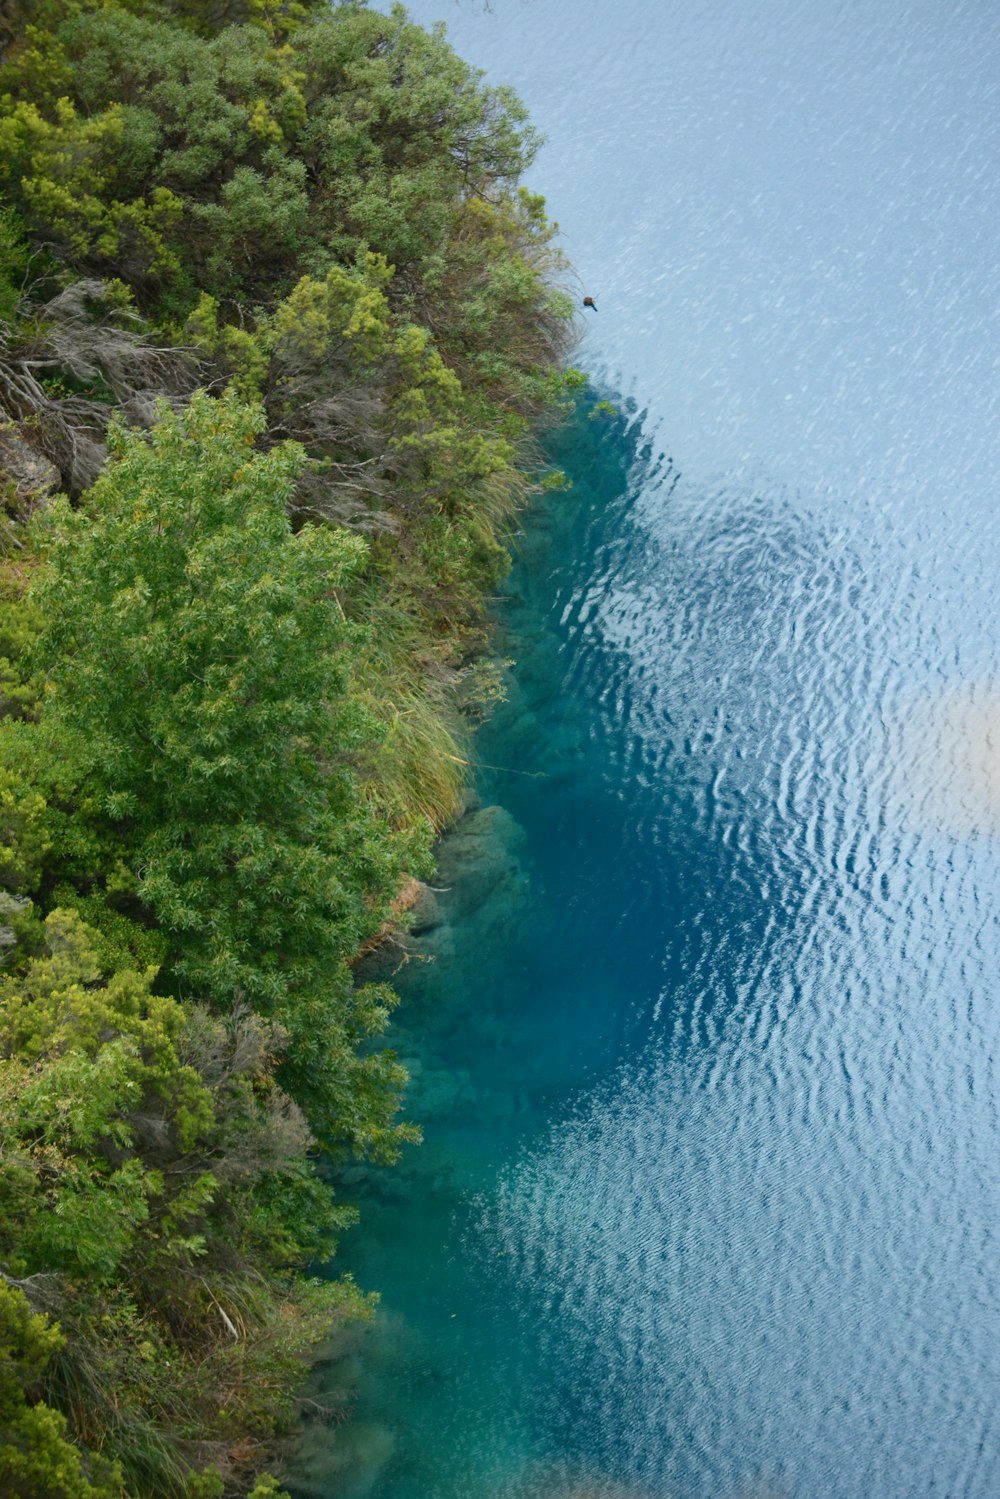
x=276, y=320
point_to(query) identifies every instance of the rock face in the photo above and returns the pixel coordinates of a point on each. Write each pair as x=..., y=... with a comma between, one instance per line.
x=479, y=875
x=414, y=913
x=417, y=902
x=478, y=861
x=27, y=474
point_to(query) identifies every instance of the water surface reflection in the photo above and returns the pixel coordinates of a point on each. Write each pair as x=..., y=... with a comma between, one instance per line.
x=707, y=1052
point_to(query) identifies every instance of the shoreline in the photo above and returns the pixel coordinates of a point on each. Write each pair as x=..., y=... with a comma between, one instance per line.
x=239, y=661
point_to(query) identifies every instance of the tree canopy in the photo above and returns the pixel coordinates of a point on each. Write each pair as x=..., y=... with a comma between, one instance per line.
x=278, y=319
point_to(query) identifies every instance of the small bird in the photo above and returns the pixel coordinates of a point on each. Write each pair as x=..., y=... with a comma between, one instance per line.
x=589, y=302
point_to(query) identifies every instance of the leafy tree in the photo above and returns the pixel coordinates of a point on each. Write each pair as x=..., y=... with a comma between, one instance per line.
x=14, y=257
x=232, y=165
x=36, y=1459
x=80, y=1061
x=231, y=676
x=200, y=672
x=155, y=1190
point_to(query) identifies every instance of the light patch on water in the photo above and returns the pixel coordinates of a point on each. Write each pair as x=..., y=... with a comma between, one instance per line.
x=544, y=1484
x=563, y=1478
x=549, y=1481
x=949, y=766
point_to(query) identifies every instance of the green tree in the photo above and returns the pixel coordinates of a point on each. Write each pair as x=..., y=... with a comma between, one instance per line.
x=37, y=1461
x=228, y=722
x=228, y=164
x=199, y=672
x=155, y=1191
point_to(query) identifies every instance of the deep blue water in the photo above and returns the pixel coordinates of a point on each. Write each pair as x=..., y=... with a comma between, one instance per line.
x=705, y=1044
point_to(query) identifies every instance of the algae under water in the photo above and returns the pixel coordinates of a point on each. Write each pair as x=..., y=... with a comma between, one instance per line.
x=706, y=1057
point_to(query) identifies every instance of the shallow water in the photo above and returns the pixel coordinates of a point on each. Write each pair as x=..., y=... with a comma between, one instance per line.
x=705, y=1043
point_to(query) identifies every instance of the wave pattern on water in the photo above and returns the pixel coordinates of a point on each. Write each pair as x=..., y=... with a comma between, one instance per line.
x=774, y=1234
x=706, y=1051
x=714, y=1210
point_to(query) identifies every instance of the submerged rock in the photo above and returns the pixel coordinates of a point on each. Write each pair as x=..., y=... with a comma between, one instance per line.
x=347, y=1461
x=421, y=908
x=478, y=861
x=414, y=912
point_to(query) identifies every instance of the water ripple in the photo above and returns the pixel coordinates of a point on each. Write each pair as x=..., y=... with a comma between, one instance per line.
x=710, y=1207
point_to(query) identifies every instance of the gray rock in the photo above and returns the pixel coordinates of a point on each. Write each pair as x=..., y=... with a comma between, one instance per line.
x=424, y=912
x=10, y=905
x=33, y=478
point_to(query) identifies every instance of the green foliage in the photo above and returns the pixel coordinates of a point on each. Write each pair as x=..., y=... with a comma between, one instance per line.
x=237, y=673
x=14, y=257
x=199, y=674
x=228, y=166
x=36, y=1458
x=208, y=17
x=24, y=840
x=193, y=794
x=81, y=1060
x=151, y=1171
x=267, y=1487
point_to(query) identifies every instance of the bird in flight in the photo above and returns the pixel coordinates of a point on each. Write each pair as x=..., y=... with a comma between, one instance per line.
x=589, y=302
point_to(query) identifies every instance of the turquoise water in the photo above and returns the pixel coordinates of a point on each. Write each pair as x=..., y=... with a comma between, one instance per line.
x=704, y=1041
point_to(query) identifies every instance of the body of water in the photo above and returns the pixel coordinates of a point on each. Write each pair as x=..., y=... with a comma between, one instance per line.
x=704, y=1042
